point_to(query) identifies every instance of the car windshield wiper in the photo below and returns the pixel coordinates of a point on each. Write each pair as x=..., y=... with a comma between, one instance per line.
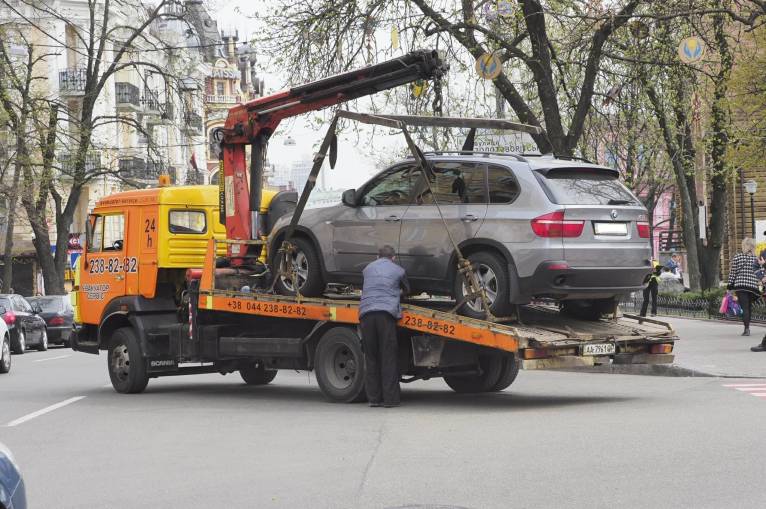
x=619, y=202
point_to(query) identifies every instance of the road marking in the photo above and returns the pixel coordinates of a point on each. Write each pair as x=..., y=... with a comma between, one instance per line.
x=745, y=385
x=107, y=385
x=43, y=411
x=751, y=389
x=52, y=358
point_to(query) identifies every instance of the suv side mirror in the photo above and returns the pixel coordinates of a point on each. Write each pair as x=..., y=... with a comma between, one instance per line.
x=349, y=197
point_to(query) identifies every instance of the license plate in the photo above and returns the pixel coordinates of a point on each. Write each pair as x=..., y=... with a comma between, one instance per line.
x=598, y=349
x=611, y=228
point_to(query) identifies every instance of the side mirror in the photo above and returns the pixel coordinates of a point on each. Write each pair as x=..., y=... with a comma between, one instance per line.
x=349, y=197
x=36, y=309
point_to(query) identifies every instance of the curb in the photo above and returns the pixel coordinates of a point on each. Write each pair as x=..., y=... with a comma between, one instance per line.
x=671, y=370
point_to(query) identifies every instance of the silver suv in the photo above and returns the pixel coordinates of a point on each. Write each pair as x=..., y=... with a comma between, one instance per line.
x=533, y=226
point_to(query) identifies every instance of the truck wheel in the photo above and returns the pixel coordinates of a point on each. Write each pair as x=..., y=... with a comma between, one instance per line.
x=5, y=355
x=491, y=368
x=21, y=342
x=127, y=369
x=340, y=366
x=508, y=374
x=309, y=270
x=493, y=274
x=587, y=309
x=256, y=374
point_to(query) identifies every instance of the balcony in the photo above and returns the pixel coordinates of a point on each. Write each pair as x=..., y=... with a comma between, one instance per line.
x=157, y=112
x=127, y=97
x=135, y=168
x=67, y=163
x=72, y=82
x=222, y=99
x=192, y=123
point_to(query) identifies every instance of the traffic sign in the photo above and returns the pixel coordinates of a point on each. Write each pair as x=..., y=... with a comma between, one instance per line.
x=488, y=66
x=691, y=50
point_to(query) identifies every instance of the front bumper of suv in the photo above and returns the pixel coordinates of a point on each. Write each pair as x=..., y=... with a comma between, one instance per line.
x=559, y=280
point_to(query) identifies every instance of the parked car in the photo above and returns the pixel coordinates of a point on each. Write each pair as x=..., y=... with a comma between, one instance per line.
x=58, y=315
x=5, y=345
x=26, y=326
x=12, y=492
x=531, y=226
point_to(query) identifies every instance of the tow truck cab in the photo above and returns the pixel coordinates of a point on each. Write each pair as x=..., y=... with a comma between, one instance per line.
x=139, y=245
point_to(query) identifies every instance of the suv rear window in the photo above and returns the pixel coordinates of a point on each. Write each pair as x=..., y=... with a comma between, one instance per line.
x=581, y=186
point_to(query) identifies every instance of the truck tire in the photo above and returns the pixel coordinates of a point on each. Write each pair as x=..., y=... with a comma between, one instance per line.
x=587, y=309
x=5, y=354
x=256, y=374
x=508, y=374
x=311, y=282
x=127, y=369
x=494, y=273
x=339, y=365
x=491, y=369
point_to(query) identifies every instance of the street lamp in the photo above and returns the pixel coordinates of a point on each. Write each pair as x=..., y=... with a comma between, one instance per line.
x=751, y=186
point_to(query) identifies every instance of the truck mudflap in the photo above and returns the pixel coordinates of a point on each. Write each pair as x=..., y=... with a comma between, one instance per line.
x=81, y=340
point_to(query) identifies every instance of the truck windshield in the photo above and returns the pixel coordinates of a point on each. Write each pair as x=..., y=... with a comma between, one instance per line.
x=578, y=186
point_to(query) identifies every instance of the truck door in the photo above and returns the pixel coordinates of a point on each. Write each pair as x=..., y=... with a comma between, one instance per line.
x=104, y=265
x=147, y=260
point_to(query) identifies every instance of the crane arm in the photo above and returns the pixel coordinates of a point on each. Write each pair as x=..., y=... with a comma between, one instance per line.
x=254, y=122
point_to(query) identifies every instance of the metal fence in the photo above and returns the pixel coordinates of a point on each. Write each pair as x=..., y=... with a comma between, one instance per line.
x=690, y=308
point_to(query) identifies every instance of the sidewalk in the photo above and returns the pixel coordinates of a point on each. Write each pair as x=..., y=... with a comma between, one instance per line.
x=716, y=347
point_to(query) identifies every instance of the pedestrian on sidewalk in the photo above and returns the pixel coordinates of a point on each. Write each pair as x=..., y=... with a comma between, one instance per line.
x=650, y=292
x=379, y=310
x=761, y=275
x=743, y=281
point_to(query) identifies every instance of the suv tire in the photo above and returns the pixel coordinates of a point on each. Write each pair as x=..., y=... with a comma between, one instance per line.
x=307, y=258
x=587, y=309
x=493, y=270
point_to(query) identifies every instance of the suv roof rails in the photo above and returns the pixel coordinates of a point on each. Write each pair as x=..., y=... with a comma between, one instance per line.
x=518, y=157
x=557, y=156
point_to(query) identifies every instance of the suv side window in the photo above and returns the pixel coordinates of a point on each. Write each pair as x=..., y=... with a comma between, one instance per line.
x=503, y=186
x=391, y=188
x=456, y=182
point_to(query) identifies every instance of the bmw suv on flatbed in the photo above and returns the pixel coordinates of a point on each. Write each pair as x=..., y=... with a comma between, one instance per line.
x=532, y=226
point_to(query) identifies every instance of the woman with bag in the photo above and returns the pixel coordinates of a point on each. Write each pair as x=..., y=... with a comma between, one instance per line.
x=743, y=280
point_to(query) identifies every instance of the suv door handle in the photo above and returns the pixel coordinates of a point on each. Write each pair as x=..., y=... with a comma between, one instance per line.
x=392, y=219
x=469, y=218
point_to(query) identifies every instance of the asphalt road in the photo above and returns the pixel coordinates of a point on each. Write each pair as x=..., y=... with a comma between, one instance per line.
x=551, y=440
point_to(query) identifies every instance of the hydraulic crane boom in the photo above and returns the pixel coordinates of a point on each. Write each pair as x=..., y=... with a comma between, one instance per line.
x=254, y=122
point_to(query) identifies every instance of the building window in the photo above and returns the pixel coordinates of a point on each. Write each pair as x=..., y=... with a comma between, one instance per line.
x=220, y=88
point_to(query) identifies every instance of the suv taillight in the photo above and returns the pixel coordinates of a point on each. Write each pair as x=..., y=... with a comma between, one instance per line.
x=56, y=320
x=9, y=318
x=554, y=225
x=643, y=229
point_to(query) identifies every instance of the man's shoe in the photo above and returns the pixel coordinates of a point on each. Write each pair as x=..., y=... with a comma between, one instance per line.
x=375, y=404
x=746, y=332
x=758, y=348
x=391, y=405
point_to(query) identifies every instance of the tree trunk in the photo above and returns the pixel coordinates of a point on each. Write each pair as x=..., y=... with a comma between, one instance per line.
x=13, y=199
x=679, y=162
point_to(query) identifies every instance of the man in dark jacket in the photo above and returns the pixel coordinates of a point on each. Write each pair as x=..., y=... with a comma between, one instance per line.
x=650, y=292
x=379, y=311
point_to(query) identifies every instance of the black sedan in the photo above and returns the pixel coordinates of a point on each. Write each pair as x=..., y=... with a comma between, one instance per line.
x=58, y=314
x=26, y=326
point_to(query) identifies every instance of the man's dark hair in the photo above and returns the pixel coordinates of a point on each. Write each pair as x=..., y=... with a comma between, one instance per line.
x=386, y=252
